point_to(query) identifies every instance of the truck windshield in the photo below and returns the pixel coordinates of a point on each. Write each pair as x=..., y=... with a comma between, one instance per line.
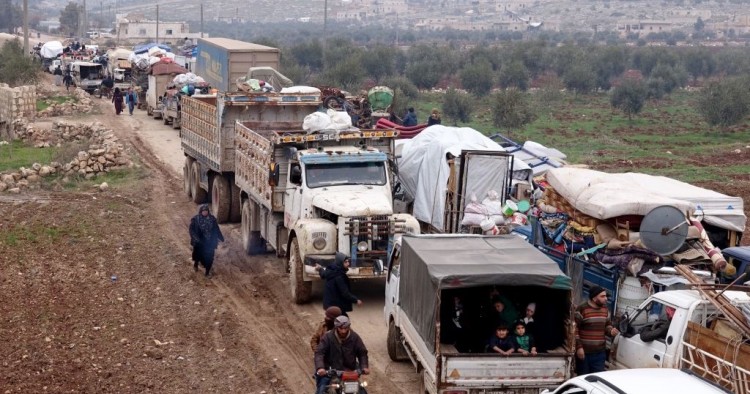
x=330, y=174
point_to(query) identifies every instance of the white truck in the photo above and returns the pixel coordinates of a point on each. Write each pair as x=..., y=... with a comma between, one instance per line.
x=683, y=329
x=306, y=195
x=429, y=272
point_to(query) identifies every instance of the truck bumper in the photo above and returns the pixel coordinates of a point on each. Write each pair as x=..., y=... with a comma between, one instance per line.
x=326, y=260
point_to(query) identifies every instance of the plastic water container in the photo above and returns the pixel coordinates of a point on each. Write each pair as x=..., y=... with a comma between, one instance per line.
x=630, y=296
x=509, y=208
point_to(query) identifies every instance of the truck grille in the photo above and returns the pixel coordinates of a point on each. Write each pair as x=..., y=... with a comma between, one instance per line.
x=376, y=231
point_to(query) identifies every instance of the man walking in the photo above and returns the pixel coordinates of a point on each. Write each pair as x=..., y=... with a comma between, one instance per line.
x=205, y=235
x=131, y=99
x=341, y=349
x=337, y=291
x=593, y=324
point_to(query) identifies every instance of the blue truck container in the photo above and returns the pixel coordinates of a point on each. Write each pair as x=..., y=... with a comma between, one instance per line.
x=221, y=61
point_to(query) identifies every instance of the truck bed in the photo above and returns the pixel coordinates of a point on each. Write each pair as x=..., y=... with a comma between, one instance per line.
x=717, y=358
x=208, y=122
x=495, y=371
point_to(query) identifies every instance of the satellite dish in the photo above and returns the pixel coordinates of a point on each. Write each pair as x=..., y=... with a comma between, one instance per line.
x=664, y=229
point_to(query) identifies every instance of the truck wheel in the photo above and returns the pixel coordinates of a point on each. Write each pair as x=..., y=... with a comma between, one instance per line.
x=300, y=289
x=186, y=177
x=235, y=206
x=220, y=198
x=199, y=195
x=245, y=223
x=396, y=349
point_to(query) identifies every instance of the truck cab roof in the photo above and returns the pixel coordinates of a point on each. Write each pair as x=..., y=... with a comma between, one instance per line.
x=686, y=298
x=637, y=381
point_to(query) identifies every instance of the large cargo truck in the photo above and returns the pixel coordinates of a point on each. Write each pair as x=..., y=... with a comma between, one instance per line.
x=305, y=195
x=221, y=61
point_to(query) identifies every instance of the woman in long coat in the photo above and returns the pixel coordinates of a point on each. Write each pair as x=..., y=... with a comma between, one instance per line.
x=117, y=98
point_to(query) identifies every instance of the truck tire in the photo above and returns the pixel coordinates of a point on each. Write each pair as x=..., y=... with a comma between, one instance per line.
x=186, y=176
x=235, y=206
x=220, y=198
x=245, y=223
x=396, y=349
x=199, y=195
x=300, y=289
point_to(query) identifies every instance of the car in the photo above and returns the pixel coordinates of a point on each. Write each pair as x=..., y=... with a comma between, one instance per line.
x=51, y=68
x=639, y=381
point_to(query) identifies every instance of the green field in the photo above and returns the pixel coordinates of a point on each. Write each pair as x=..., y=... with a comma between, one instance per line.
x=667, y=138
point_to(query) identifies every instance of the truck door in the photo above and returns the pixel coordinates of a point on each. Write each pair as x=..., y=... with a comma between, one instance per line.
x=392, y=280
x=644, y=344
x=293, y=195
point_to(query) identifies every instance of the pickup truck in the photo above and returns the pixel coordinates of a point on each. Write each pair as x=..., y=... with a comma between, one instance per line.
x=426, y=273
x=684, y=329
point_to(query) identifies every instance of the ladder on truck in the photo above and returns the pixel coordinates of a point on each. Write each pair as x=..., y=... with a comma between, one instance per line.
x=537, y=162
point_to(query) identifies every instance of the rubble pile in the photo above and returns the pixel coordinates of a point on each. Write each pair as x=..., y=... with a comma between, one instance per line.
x=104, y=153
x=80, y=103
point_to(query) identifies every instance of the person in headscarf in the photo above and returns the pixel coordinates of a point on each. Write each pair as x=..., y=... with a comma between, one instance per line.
x=205, y=235
x=434, y=117
x=117, y=98
x=326, y=325
x=337, y=291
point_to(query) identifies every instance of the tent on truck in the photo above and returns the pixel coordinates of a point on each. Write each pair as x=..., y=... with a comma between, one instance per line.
x=434, y=265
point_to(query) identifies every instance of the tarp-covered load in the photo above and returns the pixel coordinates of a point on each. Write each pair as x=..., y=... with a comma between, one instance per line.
x=603, y=196
x=430, y=264
x=118, y=53
x=162, y=68
x=144, y=48
x=424, y=172
x=51, y=49
x=266, y=74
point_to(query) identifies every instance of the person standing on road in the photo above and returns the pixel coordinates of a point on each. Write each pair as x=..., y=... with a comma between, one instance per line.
x=117, y=99
x=131, y=99
x=58, y=75
x=337, y=291
x=205, y=235
x=341, y=349
x=593, y=324
x=326, y=325
x=67, y=80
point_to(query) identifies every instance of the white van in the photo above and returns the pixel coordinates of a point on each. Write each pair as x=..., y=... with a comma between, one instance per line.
x=638, y=381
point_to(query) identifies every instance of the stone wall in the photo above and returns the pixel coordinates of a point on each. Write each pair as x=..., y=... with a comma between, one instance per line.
x=15, y=103
x=103, y=154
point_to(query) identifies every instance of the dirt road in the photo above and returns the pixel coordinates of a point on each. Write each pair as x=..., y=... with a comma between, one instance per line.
x=100, y=294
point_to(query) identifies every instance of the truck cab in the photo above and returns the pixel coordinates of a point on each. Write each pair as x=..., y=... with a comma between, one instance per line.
x=338, y=199
x=87, y=75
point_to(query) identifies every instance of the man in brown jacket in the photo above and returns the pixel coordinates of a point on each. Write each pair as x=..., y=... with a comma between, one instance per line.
x=326, y=325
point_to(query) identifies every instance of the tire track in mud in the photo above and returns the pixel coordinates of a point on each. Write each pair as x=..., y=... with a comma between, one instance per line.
x=255, y=287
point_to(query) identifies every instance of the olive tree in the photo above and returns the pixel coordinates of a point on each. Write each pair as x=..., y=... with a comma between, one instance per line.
x=629, y=97
x=511, y=109
x=726, y=102
x=457, y=106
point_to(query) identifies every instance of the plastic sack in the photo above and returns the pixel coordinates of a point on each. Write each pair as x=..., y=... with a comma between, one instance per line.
x=300, y=90
x=316, y=121
x=340, y=120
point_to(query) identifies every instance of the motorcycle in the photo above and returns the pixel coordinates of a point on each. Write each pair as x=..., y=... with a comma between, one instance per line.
x=346, y=382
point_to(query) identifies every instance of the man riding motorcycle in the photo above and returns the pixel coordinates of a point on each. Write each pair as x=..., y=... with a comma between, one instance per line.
x=339, y=349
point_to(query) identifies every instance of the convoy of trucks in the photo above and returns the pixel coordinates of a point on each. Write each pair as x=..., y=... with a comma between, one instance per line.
x=309, y=195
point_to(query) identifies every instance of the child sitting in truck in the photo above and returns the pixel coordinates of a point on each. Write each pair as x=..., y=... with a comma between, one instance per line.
x=502, y=342
x=524, y=342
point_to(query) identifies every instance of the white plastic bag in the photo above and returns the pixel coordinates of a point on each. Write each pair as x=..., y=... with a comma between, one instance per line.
x=316, y=121
x=340, y=120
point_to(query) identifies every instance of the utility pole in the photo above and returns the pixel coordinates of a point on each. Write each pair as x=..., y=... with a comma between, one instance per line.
x=26, y=27
x=85, y=20
x=325, y=31
x=157, y=23
x=201, y=20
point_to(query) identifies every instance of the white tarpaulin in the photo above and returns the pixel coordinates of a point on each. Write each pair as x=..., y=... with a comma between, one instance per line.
x=603, y=196
x=51, y=49
x=423, y=170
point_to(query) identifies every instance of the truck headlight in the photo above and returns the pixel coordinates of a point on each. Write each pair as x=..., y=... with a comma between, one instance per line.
x=319, y=243
x=362, y=246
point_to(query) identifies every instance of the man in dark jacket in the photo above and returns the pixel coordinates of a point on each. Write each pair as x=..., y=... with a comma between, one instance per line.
x=205, y=235
x=337, y=291
x=340, y=349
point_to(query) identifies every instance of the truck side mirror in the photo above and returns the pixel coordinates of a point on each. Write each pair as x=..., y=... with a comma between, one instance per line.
x=624, y=325
x=273, y=175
